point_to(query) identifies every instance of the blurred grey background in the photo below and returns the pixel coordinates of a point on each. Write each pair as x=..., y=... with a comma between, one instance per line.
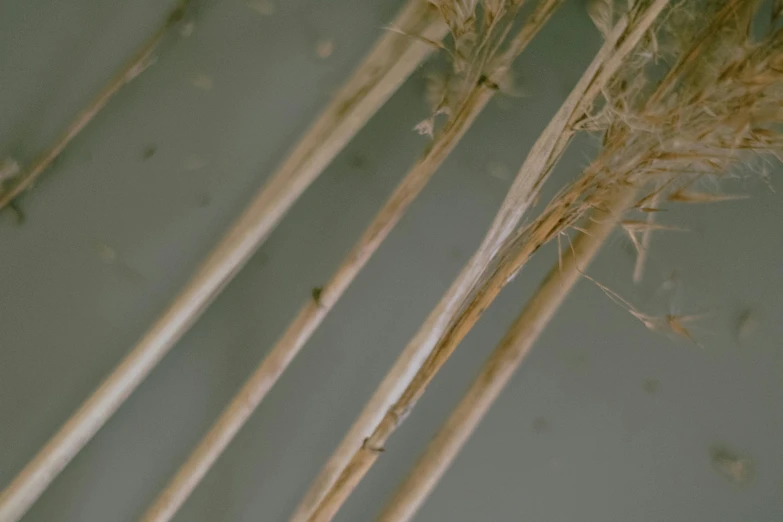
x=605, y=421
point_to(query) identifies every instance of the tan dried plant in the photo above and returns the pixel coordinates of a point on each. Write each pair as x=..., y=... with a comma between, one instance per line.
x=441, y=331
x=711, y=115
x=714, y=110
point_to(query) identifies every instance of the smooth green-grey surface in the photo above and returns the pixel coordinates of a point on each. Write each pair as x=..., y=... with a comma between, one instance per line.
x=604, y=422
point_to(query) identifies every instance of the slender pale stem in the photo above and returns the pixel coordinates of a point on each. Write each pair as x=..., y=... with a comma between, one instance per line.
x=355, y=455
x=500, y=366
x=130, y=70
x=388, y=64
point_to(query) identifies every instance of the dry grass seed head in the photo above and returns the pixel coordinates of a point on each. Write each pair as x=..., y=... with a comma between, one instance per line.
x=715, y=106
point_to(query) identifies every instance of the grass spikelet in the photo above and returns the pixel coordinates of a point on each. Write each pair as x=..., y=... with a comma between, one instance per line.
x=635, y=225
x=686, y=196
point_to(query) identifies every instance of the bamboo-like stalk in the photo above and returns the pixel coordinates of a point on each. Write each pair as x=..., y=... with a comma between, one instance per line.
x=388, y=64
x=383, y=413
x=314, y=311
x=130, y=70
x=500, y=366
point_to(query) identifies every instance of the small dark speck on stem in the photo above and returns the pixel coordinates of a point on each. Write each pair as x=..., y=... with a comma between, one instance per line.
x=316, y=293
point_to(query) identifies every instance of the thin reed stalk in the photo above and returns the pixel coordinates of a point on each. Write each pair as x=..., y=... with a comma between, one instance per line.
x=384, y=413
x=393, y=58
x=500, y=366
x=135, y=66
x=315, y=310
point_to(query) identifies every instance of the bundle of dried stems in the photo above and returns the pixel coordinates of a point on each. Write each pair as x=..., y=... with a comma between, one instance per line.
x=393, y=58
x=716, y=108
x=480, y=62
x=497, y=371
x=664, y=130
x=439, y=335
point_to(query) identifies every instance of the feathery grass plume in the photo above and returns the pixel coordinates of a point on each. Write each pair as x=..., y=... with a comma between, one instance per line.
x=717, y=109
x=471, y=90
x=411, y=372
x=665, y=134
x=714, y=111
